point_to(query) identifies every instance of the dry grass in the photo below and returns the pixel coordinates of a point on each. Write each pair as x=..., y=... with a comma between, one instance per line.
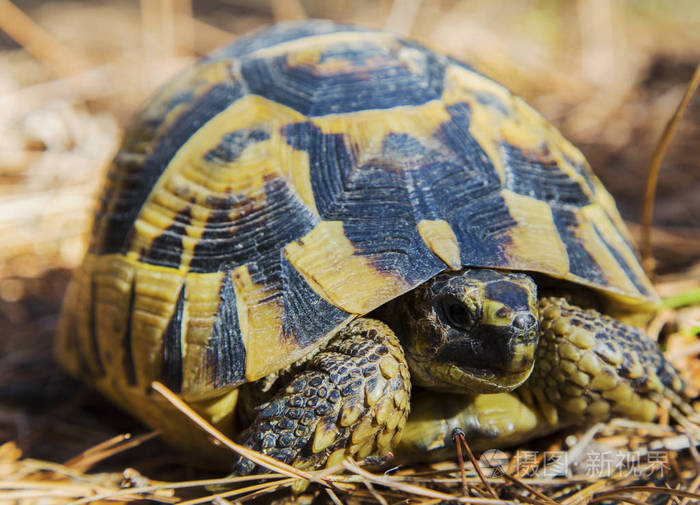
x=645, y=460
x=609, y=74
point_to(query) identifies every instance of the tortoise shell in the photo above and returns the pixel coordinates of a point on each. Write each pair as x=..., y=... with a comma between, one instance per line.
x=302, y=177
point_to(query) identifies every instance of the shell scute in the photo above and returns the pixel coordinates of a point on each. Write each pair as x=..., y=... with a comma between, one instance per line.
x=345, y=72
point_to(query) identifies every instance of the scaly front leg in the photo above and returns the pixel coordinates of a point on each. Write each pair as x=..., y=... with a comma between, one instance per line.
x=593, y=367
x=350, y=399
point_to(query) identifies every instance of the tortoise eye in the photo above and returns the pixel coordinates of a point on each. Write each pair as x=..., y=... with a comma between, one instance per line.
x=457, y=314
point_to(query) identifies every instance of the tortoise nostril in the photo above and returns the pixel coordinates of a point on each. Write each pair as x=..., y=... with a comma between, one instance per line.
x=524, y=321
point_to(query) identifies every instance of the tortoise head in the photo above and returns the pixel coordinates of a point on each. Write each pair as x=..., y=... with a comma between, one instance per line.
x=472, y=331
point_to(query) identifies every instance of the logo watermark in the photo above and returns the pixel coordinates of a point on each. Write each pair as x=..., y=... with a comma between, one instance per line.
x=593, y=463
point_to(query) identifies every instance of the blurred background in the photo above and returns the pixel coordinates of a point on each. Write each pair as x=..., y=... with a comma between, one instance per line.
x=608, y=73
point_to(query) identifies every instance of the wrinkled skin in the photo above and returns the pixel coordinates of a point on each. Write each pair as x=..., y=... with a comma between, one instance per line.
x=471, y=332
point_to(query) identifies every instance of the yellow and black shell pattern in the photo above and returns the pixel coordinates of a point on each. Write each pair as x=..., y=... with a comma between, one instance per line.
x=302, y=177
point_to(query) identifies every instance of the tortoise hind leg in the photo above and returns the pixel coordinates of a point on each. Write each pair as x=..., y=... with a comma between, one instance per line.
x=589, y=367
x=350, y=399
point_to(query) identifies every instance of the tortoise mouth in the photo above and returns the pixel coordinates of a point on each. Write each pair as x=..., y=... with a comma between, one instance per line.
x=491, y=359
x=463, y=379
x=497, y=349
x=514, y=364
x=496, y=380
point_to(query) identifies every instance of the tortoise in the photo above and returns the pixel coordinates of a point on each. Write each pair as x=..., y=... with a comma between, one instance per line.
x=319, y=228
